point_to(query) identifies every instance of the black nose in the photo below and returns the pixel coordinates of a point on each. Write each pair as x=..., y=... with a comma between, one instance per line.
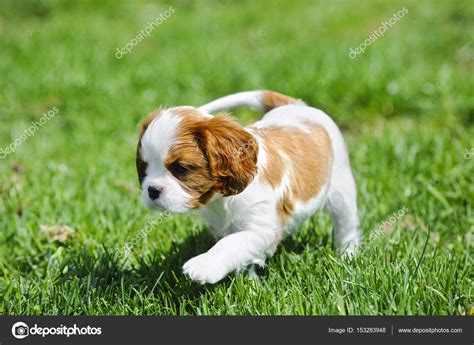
x=154, y=192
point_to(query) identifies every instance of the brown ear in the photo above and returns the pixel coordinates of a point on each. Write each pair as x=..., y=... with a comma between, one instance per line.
x=231, y=152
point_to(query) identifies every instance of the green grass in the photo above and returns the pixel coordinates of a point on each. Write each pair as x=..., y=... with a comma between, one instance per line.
x=406, y=107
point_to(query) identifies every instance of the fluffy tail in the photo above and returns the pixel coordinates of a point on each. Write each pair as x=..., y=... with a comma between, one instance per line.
x=263, y=100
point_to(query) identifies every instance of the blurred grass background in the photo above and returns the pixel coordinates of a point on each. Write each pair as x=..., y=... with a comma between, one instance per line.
x=406, y=107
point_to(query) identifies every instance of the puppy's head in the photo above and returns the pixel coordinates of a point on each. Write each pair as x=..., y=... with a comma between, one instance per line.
x=184, y=156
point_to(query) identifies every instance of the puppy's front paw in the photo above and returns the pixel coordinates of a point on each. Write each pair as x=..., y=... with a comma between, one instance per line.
x=205, y=268
x=348, y=249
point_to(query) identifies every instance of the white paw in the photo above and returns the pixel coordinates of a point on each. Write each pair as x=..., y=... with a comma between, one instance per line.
x=253, y=273
x=205, y=268
x=348, y=249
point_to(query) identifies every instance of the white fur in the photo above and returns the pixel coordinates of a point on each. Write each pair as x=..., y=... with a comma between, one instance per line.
x=156, y=142
x=247, y=224
x=252, y=99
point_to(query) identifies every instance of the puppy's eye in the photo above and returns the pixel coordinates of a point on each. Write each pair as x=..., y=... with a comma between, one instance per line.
x=178, y=169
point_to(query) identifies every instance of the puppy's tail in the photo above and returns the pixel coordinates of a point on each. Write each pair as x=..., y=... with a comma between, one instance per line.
x=263, y=100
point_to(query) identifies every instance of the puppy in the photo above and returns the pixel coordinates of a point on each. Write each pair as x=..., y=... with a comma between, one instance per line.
x=252, y=185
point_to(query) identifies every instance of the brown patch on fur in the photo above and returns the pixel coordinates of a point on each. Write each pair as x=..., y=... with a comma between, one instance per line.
x=206, y=147
x=222, y=137
x=140, y=164
x=272, y=99
x=307, y=155
x=186, y=151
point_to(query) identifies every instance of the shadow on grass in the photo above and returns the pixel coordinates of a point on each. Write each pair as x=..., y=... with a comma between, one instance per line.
x=160, y=273
x=156, y=274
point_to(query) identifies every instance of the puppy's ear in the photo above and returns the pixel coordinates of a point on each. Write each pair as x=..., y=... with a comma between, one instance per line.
x=231, y=152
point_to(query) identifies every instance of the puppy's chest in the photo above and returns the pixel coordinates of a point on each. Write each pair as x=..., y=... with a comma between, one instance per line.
x=221, y=218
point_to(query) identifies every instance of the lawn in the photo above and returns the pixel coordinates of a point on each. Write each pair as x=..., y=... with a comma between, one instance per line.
x=70, y=196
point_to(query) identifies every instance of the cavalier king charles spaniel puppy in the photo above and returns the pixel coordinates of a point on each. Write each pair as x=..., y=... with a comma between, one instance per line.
x=253, y=184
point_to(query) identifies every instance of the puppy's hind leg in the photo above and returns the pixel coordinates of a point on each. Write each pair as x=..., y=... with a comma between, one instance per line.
x=342, y=204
